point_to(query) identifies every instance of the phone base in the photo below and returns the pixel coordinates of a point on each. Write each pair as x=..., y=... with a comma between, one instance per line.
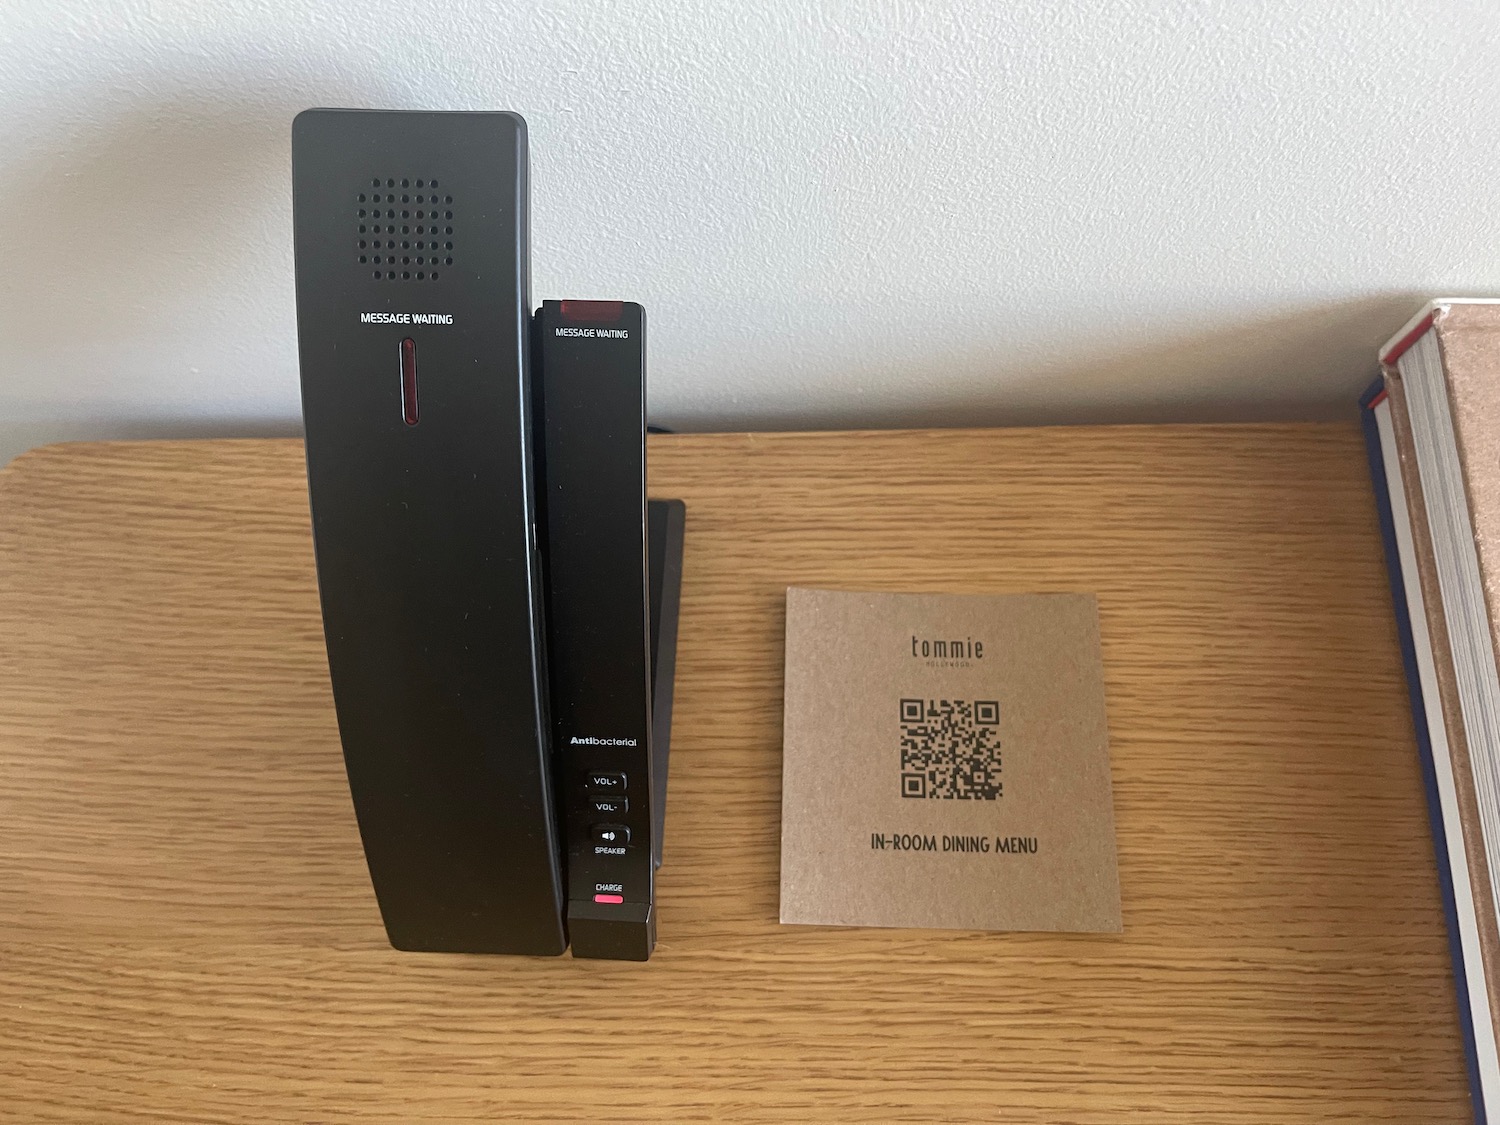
x=627, y=931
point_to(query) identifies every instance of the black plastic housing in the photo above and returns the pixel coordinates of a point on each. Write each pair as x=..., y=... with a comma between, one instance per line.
x=592, y=384
x=425, y=533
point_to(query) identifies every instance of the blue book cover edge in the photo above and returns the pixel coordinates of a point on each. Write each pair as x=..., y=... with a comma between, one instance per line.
x=1367, y=403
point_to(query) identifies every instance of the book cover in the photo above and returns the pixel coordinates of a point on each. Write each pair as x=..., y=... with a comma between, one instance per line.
x=1383, y=420
x=1448, y=696
x=946, y=763
x=1442, y=448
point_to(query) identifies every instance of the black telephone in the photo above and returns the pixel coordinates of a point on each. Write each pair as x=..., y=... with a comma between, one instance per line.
x=499, y=599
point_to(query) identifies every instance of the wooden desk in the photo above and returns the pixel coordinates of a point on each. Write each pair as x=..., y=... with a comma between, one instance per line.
x=187, y=931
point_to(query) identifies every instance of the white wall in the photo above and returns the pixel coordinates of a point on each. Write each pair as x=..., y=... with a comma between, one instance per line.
x=881, y=214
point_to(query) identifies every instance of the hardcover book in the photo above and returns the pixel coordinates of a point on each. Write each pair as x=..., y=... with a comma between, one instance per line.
x=1433, y=424
x=946, y=763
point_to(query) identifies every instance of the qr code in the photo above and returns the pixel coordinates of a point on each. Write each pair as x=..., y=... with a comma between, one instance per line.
x=950, y=748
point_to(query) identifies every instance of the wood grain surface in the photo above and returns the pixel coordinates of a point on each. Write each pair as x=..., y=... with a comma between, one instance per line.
x=187, y=931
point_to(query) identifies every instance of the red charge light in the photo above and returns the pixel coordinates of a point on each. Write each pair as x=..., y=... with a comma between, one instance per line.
x=609, y=898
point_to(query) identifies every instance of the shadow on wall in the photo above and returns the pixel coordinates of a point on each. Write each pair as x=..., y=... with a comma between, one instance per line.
x=1301, y=364
x=124, y=224
x=1269, y=369
x=111, y=232
x=118, y=227
x=118, y=224
x=17, y=437
x=1306, y=363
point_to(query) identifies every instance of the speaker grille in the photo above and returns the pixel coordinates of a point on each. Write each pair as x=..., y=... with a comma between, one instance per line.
x=405, y=228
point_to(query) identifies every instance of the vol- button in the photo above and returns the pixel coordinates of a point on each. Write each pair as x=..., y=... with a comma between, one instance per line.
x=611, y=834
x=606, y=782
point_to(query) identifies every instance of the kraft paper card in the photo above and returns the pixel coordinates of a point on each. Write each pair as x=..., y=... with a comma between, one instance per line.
x=946, y=763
